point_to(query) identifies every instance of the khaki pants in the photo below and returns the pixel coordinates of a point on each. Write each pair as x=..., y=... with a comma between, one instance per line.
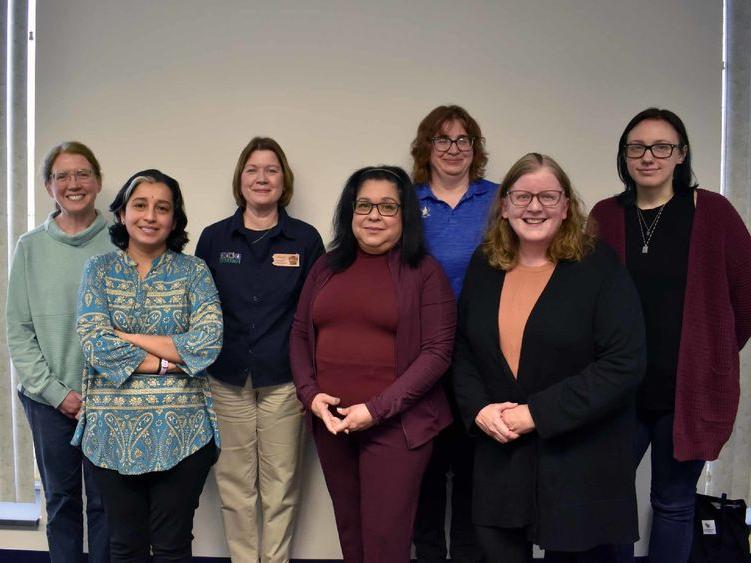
x=261, y=431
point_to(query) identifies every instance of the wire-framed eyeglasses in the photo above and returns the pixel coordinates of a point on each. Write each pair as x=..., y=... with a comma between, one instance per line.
x=82, y=175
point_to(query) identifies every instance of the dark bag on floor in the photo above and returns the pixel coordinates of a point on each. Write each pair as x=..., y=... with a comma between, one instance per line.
x=720, y=531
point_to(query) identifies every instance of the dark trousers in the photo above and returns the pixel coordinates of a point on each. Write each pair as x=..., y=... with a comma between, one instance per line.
x=153, y=512
x=374, y=481
x=60, y=469
x=510, y=545
x=453, y=453
x=673, y=490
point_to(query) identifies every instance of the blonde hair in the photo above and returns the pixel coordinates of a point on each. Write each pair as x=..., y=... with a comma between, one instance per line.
x=501, y=244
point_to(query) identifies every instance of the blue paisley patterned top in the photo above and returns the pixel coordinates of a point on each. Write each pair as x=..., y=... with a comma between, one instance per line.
x=135, y=422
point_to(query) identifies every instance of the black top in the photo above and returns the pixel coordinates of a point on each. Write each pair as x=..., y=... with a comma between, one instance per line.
x=259, y=275
x=660, y=279
x=570, y=482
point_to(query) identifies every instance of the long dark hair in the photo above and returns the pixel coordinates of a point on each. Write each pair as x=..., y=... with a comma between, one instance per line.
x=344, y=246
x=683, y=176
x=178, y=238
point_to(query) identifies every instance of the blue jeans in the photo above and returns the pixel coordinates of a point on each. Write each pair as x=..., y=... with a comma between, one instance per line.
x=60, y=468
x=673, y=490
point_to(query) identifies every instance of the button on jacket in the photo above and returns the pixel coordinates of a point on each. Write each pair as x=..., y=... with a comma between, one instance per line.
x=259, y=277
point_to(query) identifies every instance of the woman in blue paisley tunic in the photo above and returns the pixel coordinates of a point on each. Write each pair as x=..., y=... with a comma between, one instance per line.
x=150, y=322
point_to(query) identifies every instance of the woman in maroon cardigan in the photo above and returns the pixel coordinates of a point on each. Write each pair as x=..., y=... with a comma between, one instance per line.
x=373, y=334
x=689, y=254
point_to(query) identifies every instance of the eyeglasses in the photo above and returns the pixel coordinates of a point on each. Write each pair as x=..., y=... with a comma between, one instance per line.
x=442, y=143
x=385, y=209
x=82, y=175
x=658, y=150
x=547, y=198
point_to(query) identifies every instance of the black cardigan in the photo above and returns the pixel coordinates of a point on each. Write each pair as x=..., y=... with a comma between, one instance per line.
x=570, y=482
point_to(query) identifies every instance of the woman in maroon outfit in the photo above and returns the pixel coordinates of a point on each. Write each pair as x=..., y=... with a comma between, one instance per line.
x=689, y=255
x=373, y=333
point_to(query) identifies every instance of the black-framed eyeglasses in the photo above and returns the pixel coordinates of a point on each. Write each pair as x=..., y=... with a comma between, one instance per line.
x=522, y=198
x=82, y=175
x=658, y=150
x=385, y=208
x=442, y=143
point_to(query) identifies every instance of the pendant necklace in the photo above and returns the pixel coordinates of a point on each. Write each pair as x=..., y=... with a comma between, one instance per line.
x=647, y=230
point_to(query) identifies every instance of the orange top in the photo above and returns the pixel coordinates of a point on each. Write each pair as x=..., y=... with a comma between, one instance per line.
x=522, y=287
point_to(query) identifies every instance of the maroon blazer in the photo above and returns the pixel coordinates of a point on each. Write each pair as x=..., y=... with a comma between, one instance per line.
x=716, y=320
x=424, y=344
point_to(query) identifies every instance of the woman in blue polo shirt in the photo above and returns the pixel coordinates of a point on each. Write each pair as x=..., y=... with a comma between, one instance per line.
x=259, y=258
x=449, y=162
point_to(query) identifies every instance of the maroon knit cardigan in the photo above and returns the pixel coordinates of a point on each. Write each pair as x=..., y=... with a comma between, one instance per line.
x=716, y=320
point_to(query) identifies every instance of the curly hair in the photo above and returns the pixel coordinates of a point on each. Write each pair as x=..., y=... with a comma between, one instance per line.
x=178, y=238
x=501, y=244
x=430, y=126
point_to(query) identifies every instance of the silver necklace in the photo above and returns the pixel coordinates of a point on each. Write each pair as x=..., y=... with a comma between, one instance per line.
x=267, y=231
x=647, y=230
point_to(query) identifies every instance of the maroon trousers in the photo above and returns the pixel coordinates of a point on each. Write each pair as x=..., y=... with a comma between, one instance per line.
x=374, y=483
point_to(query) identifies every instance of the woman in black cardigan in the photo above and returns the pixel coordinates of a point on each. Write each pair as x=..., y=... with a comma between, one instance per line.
x=549, y=351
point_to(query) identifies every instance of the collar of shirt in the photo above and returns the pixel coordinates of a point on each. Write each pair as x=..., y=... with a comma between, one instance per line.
x=280, y=229
x=157, y=263
x=476, y=187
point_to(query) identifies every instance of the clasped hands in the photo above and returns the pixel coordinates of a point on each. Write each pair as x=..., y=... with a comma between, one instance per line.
x=356, y=417
x=505, y=422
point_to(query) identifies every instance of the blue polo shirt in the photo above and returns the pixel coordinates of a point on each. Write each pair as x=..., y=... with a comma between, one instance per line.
x=453, y=234
x=259, y=278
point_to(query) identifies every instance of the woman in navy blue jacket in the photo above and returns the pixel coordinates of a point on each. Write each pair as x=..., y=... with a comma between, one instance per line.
x=259, y=257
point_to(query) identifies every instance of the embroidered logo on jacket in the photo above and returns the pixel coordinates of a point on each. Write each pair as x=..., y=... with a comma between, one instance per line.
x=425, y=211
x=230, y=257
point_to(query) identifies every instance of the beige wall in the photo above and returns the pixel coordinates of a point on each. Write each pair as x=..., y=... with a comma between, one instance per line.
x=182, y=85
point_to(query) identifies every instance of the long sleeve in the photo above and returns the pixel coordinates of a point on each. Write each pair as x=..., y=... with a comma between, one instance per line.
x=437, y=328
x=112, y=357
x=738, y=265
x=33, y=370
x=200, y=344
x=300, y=355
x=469, y=389
x=604, y=384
